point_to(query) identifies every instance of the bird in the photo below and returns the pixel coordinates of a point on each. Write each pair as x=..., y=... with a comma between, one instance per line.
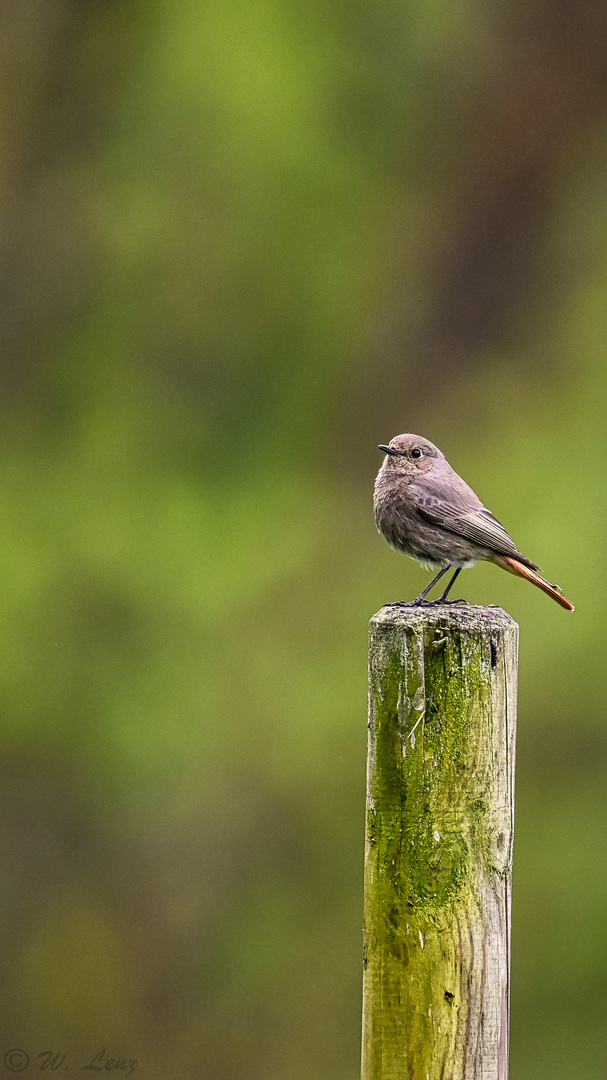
x=423, y=508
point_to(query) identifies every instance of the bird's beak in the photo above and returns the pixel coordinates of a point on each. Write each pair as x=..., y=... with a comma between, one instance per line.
x=388, y=450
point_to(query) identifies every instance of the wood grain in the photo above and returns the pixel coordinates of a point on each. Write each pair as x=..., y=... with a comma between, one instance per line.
x=440, y=815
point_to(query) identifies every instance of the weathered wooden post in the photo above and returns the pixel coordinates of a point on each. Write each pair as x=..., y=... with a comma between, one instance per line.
x=440, y=813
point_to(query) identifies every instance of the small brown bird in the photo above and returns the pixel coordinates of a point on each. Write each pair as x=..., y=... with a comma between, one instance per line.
x=423, y=508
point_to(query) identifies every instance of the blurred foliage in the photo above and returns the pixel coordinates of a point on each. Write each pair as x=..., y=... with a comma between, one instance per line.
x=241, y=245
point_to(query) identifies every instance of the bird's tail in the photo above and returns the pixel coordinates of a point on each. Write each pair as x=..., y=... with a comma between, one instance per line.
x=516, y=567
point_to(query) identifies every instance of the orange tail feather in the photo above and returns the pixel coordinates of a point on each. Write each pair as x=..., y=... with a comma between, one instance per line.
x=516, y=567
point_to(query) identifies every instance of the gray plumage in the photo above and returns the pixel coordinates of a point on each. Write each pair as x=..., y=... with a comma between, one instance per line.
x=424, y=509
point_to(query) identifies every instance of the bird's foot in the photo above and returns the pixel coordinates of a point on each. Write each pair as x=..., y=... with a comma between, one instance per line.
x=421, y=602
x=410, y=603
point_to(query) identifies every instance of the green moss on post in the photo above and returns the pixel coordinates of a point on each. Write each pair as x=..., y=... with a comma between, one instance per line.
x=440, y=813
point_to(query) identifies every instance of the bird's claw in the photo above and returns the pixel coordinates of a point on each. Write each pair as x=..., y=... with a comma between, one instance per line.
x=424, y=603
x=410, y=603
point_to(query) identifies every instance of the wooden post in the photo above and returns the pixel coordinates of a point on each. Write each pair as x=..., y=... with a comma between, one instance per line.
x=440, y=815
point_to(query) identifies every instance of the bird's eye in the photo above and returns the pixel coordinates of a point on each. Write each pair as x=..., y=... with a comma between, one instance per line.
x=416, y=452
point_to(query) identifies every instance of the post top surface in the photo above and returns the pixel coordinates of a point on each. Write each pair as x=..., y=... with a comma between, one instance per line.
x=461, y=615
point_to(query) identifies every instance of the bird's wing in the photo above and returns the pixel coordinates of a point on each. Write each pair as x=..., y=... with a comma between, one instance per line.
x=457, y=508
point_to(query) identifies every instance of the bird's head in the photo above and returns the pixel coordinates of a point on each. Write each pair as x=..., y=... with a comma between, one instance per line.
x=410, y=454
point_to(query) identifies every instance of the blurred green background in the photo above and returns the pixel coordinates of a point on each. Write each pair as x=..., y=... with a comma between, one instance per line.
x=242, y=243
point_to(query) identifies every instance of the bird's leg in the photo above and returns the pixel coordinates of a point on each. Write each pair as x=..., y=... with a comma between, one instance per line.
x=418, y=599
x=421, y=598
x=443, y=598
